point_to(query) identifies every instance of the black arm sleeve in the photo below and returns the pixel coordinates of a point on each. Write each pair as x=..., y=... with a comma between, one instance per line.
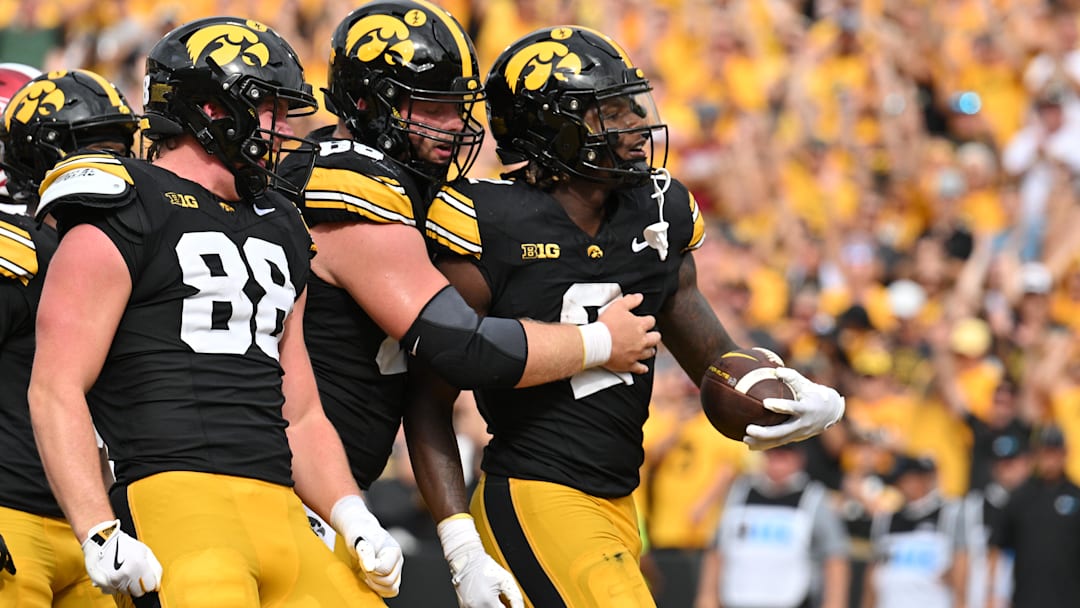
x=466, y=350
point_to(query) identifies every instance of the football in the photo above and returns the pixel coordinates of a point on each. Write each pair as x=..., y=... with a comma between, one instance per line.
x=735, y=385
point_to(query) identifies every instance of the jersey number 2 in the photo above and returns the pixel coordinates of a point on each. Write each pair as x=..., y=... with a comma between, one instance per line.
x=581, y=304
x=217, y=319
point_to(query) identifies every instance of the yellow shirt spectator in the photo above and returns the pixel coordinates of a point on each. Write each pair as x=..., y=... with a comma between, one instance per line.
x=685, y=489
x=1065, y=408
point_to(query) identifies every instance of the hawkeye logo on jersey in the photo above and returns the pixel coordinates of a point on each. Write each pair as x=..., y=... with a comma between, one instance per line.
x=187, y=201
x=539, y=251
x=41, y=97
x=227, y=42
x=537, y=63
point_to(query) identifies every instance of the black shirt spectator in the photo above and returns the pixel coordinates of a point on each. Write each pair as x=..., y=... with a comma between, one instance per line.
x=1041, y=525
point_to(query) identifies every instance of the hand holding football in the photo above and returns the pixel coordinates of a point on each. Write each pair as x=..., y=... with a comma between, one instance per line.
x=734, y=386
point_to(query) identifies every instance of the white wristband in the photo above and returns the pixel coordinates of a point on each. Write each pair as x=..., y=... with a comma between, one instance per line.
x=456, y=532
x=346, y=509
x=596, y=339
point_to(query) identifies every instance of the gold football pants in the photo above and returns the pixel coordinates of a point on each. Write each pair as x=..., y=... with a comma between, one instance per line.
x=564, y=547
x=51, y=570
x=235, y=542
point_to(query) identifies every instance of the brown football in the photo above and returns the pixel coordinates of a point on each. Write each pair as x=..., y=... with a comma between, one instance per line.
x=734, y=386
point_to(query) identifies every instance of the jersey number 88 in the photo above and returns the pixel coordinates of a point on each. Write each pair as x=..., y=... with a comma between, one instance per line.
x=217, y=319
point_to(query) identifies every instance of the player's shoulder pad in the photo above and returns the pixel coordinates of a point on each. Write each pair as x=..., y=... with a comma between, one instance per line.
x=351, y=180
x=92, y=179
x=18, y=253
x=451, y=217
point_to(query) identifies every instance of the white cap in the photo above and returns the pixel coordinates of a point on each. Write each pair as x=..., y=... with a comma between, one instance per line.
x=906, y=298
x=1035, y=278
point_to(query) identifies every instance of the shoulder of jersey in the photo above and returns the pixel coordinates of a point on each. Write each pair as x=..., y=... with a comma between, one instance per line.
x=18, y=252
x=683, y=196
x=452, y=218
x=350, y=180
x=91, y=179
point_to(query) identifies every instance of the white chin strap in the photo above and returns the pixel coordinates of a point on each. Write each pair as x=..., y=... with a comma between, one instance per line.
x=656, y=234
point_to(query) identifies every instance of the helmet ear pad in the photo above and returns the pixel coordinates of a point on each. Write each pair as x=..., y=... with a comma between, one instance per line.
x=553, y=131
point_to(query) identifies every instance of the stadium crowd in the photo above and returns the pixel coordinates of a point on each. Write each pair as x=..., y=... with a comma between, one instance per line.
x=891, y=187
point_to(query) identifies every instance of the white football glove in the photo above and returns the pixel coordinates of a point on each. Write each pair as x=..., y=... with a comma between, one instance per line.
x=480, y=582
x=815, y=408
x=378, y=553
x=118, y=563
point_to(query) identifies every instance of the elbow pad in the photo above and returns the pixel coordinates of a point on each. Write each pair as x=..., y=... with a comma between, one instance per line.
x=466, y=350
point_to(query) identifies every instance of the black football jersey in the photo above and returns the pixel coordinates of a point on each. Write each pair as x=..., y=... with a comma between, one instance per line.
x=25, y=249
x=584, y=432
x=193, y=380
x=359, y=369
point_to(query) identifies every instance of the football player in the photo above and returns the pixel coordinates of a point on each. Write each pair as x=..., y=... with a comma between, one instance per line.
x=403, y=82
x=12, y=77
x=173, y=313
x=590, y=215
x=46, y=119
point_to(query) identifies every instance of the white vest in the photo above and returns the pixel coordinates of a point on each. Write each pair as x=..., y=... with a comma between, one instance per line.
x=912, y=565
x=765, y=549
x=978, y=558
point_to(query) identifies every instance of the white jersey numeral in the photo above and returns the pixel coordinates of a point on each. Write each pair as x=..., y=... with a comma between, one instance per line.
x=339, y=146
x=576, y=305
x=217, y=318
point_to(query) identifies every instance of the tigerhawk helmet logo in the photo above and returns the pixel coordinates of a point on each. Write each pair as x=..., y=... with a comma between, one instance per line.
x=535, y=64
x=42, y=97
x=384, y=35
x=227, y=42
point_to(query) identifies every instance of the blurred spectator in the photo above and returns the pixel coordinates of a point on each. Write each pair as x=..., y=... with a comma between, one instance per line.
x=688, y=469
x=1042, y=157
x=1041, y=525
x=864, y=495
x=777, y=521
x=1055, y=386
x=919, y=551
x=31, y=31
x=989, y=84
x=1010, y=467
x=911, y=365
x=1002, y=422
x=968, y=373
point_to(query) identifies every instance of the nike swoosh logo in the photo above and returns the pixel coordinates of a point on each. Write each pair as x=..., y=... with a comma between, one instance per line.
x=116, y=557
x=638, y=246
x=412, y=351
x=261, y=212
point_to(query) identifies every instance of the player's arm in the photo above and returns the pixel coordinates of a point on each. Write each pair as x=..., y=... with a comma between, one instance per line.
x=690, y=328
x=696, y=338
x=83, y=298
x=411, y=301
x=433, y=449
x=429, y=412
x=320, y=469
